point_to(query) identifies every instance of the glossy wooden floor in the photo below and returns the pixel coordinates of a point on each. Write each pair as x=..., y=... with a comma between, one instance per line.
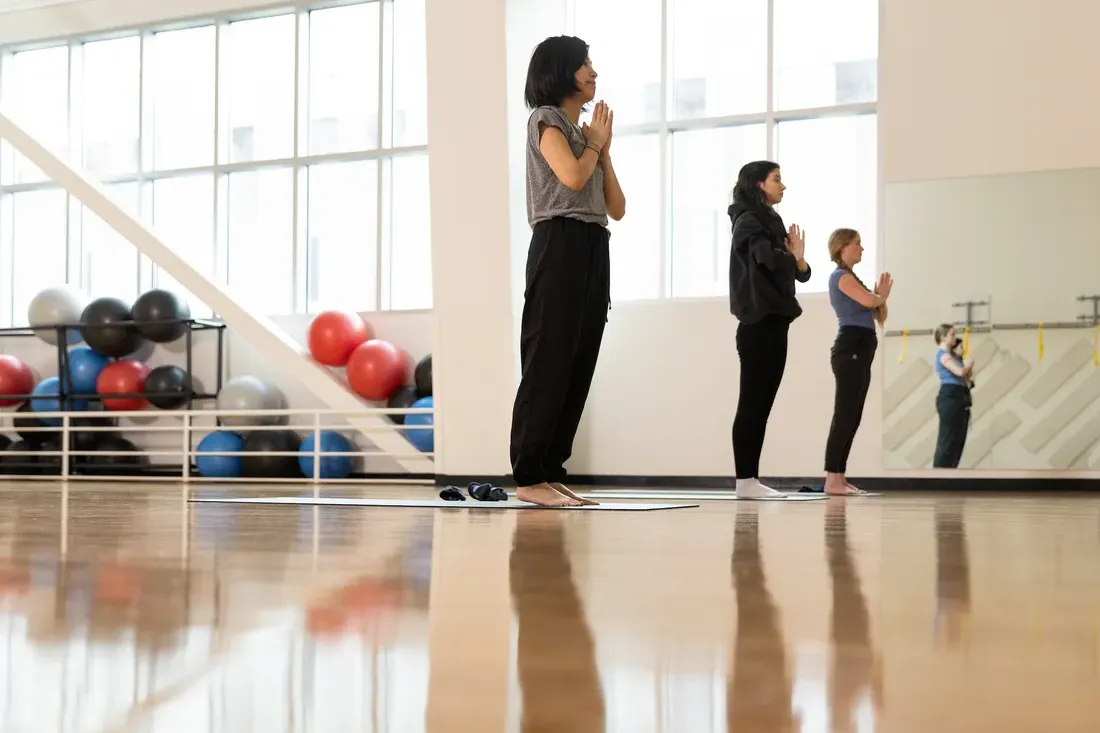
x=128, y=609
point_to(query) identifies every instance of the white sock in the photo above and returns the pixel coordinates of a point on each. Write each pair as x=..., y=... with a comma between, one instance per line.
x=751, y=488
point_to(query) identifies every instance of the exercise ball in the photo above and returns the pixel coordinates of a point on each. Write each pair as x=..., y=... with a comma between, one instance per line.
x=24, y=421
x=423, y=377
x=54, y=307
x=376, y=368
x=223, y=441
x=116, y=444
x=261, y=444
x=250, y=393
x=47, y=399
x=401, y=399
x=331, y=466
x=125, y=376
x=158, y=315
x=168, y=387
x=21, y=465
x=52, y=464
x=424, y=440
x=85, y=367
x=15, y=379
x=107, y=328
x=334, y=335
x=90, y=439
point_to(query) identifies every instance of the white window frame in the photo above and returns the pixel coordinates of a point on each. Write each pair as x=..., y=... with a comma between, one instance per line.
x=299, y=163
x=665, y=127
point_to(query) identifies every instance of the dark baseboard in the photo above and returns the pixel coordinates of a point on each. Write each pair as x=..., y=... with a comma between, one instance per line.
x=719, y=483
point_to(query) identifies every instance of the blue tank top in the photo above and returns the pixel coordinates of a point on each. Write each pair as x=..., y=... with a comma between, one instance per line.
x=848, y=312
x=945, y=375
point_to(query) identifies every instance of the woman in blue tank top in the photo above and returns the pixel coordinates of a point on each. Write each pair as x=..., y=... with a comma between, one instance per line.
x=953, y=400
x=857, y=310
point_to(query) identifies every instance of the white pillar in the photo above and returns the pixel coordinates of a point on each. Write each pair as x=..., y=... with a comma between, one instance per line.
x=527, y=25
x=474, y=375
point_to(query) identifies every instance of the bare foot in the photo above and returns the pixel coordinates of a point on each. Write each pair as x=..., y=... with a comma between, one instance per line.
x=836, y=484
x=564, y=491
x=841, y=487
x=543, y=495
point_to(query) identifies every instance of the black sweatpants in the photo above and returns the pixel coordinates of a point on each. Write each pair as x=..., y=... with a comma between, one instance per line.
x=762, y=351
x=564, y=313
x=852, y=354
x=953, y=404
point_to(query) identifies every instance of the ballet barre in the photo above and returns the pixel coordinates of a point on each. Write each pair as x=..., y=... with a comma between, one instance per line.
x=1084, y=322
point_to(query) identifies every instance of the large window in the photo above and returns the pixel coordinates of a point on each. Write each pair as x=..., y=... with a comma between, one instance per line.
x=285, y=155
x=701, y=87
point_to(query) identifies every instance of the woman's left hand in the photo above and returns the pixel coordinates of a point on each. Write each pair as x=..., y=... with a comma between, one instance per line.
x=796, y=242
x=605, y=151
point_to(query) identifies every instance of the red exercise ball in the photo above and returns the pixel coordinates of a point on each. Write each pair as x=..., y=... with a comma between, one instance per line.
x=376, y=369
x=333, y=335
x=123, y=377
x=15, y=378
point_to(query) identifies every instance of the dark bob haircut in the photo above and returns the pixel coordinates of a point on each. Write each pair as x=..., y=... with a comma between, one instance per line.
x=552, y=73
x=747, y=191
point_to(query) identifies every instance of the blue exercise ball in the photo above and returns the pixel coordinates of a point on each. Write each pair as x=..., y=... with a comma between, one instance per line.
x=84, y=368
x=331, y=466
x=424, y=440
x=47, y=399
x=223, y=441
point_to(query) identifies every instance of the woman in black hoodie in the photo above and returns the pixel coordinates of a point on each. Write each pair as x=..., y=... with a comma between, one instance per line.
x=765, y=260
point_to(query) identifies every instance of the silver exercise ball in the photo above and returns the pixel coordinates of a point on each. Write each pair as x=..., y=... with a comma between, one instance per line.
x=251, y=393
x=53, y=306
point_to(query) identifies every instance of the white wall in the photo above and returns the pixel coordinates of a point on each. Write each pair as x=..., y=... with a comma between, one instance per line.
x=971, y=88
x=666, y=390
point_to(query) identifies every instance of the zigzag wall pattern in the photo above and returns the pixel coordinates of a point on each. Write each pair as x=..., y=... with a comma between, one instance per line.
x=1029, y=412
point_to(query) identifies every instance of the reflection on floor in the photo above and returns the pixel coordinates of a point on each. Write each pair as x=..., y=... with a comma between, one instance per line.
x=125, y=608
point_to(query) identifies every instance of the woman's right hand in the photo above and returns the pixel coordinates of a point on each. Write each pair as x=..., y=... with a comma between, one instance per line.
x=599, y=130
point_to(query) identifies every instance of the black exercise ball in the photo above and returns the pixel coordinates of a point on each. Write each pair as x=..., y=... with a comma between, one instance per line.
x=168, y=387
x=167, y=308
x=401, y=399
x=258, y=461
x=20, y=465
x=35, y=438
x=102, y=329
x=424, y=377
x=116, y=443
x=52, y=464
x=84, y=440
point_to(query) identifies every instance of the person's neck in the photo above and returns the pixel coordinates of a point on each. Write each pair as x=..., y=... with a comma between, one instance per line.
x=572, y=109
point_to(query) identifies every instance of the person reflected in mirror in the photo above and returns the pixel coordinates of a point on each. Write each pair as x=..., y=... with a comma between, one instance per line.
x=766, y=259
x=953, y=401
x=857, y=310
x=572, y=190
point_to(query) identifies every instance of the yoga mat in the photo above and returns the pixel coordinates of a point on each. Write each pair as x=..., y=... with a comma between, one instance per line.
x=697, y=496
x=437, y=504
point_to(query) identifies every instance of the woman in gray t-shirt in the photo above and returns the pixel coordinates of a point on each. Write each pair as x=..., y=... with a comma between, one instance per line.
x=571, y=192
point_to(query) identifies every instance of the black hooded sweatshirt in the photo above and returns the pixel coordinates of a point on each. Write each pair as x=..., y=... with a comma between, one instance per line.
x=762, y=271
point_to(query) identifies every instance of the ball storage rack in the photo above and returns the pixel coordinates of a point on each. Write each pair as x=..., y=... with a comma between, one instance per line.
x=67, y=397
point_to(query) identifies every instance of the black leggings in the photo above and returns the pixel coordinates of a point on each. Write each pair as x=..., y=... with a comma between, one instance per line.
x=852, y=354
x=564, y=313
x=953, y=405
x=762, y=351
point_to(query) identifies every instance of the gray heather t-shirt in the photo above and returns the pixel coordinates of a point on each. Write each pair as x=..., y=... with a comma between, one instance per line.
x=547, y=196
